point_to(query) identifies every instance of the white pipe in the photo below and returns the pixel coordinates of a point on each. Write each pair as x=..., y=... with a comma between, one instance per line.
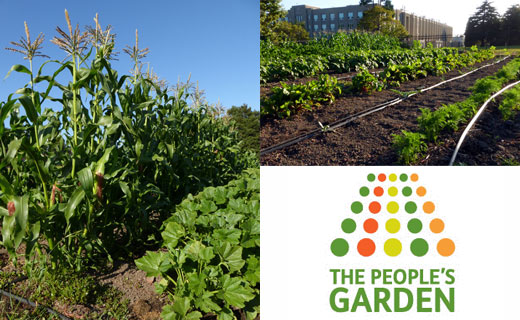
x=472, y=122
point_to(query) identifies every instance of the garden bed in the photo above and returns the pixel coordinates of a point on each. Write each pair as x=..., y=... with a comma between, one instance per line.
x=366, y=141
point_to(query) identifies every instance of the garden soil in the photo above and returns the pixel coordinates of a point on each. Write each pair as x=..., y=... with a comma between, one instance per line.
x=368, y=141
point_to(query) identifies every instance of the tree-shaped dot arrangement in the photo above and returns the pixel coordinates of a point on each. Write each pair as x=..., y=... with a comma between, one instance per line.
x=393, y=204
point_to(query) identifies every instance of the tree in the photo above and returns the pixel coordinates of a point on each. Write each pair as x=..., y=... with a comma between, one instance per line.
x=511, y=26
x=483, y=28
x=270, y=14
x=388, y=5
x=288, y=31
x=379, y=19
x=247, y=123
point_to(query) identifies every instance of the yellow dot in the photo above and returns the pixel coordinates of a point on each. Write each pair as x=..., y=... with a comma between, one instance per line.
x=393, y=247
x=392, y=177
x=392, y=225
x=392, y=191
x=392, y=207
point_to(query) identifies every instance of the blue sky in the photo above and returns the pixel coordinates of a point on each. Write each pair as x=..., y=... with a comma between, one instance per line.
x=216, y=41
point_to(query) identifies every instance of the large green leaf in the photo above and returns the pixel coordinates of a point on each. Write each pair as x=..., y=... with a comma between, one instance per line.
x=14, y=145
x=172, y=233
x=6, y=186
x=100, y=165
x=234, y=291
x=154, y=263
x=232, y=257
x=18, y=68
x=86, y=179
x=73, y=202
x=21, y=213
x=29, y=107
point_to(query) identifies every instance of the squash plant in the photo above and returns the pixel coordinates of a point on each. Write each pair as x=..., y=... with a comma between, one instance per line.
x=211, y=257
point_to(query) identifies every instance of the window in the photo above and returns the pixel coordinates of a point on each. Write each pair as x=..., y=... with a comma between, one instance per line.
x=315, y=17
x=299, y=18
x=315, y=27
x=324, y=27
x=341, y=16
x=332, y=26
x=332, y=16
x=324, y=17
x=351, y=15
x=360, y=14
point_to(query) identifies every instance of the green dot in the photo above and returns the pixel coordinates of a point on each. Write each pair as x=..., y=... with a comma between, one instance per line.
x=419, y=247
x=371, y=177
x=392, y=177
x=392, y=225
x=392, y=207
x=356, y=207
x=403, y=177
x=410, y=207
x=393, y=247
x=339, y=247
x=392, y=191
x=348, y=225
x=364, y=191
x=414, y=225
x=407, y=191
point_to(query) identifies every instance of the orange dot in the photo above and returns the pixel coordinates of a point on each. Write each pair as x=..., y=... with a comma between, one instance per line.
x=378, y=191
x=374, y=207
x=436, y=225
x=370, y=225
x=381, y=177
x=428, y=207
x=446, y=247
x=414, y=177
x=366, y=247
x=421, y=191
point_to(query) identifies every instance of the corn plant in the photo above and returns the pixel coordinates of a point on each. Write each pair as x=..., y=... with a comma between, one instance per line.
x=91, y=180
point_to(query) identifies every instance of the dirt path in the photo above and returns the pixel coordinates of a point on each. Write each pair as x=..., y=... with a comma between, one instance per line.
x=366, y=141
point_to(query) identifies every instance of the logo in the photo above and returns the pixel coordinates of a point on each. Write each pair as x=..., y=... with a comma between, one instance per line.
x=391, y=206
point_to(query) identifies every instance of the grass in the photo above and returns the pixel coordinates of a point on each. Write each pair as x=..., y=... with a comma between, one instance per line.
x=61, y=287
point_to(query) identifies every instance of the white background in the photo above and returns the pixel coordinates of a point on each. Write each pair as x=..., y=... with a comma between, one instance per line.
x=301, y=213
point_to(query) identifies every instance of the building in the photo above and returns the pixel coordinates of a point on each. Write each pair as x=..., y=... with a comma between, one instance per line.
x=425, y=30
x=317, y=20
x=329, y=20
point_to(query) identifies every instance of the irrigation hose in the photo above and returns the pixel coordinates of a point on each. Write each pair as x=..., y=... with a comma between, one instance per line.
x=29, y=302
x=343, y=121
x=475, y=118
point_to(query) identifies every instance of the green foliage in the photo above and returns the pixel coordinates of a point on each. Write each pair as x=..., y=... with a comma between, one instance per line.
x=409, y=146
x=339, y=52
x=365, y=82
x=483, y=27
x=271, y=12
x=450, y=117
x=212, y=256
x=247, y=122
x=88, y=182
x=510, y=104
x=288, y=99
x=286, y=31
x=381, y=19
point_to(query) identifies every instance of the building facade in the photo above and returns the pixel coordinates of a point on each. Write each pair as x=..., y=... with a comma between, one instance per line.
x=330, y=20
x=425, y=30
